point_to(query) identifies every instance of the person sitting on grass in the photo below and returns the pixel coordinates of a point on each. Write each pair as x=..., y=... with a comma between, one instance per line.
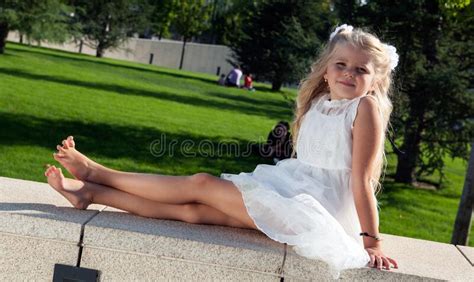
x=233, y=78
x=248, y=82
x=221, y=80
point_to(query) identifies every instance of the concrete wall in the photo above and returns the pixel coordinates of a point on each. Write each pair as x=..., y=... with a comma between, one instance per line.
x=39, y=229
x=203, y=58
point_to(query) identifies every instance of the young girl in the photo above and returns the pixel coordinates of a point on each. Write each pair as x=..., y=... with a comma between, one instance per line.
x=322, y=202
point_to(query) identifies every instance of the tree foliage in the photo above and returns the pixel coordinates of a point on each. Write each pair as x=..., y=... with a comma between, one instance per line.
x=191, y=19
x=163, y=13
x=280, y=39
x=37, y=20
x=226, y=20
x=106, y=24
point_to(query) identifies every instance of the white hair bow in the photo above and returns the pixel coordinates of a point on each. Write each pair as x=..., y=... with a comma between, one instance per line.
x=344, y=26
x=392, y=53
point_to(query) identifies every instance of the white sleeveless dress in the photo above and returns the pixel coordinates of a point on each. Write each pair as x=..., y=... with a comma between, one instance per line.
x=307, y=202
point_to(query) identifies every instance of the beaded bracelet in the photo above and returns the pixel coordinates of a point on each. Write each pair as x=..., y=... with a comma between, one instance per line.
x=377, y=238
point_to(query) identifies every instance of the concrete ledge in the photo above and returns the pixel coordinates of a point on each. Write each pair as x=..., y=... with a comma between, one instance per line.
x=39, y=229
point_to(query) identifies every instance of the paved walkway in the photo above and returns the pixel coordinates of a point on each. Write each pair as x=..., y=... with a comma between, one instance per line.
x=38, y=229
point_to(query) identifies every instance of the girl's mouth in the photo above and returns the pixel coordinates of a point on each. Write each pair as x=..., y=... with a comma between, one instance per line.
x=346, y=83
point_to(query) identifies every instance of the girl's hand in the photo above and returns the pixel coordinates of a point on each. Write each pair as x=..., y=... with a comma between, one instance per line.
x=379, y=260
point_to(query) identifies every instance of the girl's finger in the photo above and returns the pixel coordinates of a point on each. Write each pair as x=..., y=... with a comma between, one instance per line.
x=372, y=260
x=386, y=263
x=395, y=264
x=379, y=262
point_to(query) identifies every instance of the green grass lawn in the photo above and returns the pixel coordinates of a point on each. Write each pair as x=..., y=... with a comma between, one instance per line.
x=123, y=114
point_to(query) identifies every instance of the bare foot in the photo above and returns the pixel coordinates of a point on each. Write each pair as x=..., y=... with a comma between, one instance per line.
x=73, y=190
x=74, y=161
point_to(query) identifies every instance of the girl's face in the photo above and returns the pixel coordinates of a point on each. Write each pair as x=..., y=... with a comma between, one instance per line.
x=350, y=73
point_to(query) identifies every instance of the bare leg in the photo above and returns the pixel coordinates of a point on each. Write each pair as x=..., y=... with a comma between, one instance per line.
x=200, y=188
x=81, y=194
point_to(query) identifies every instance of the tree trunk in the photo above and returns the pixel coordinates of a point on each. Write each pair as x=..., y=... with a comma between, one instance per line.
x=81, y=44
x=100, y=49
x=182, y=53
x=407, y=161
x=406, y=165
x=277, y=82
x=462, y=225
x=415, y=125
x=3, y=36
x=21, y=38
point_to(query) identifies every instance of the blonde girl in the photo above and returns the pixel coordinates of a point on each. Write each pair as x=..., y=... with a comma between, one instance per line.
x=322, y=202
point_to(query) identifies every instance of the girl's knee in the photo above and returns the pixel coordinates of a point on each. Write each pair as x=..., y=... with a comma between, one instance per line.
x=201, y=179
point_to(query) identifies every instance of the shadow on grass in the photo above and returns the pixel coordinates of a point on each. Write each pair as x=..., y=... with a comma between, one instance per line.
x=140, y=144
x=395, y=195
x=247, y=98
x=166, y=96
x=84, y=58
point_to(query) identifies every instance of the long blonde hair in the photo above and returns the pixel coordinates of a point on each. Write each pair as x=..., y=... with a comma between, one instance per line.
x=314, y=86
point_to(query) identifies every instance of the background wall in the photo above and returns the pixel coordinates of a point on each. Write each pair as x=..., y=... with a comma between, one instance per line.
x=204, y=58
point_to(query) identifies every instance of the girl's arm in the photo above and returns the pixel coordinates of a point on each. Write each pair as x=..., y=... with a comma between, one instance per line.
x=367, y=135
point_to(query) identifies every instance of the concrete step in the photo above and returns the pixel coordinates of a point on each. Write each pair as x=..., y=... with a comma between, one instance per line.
x=39, y=228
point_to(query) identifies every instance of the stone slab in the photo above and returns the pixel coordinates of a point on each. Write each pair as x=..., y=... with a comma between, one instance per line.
x=124, y=266
x=215, y=245
x=468, y=252
x=417, y=260
x=24, y=258
x=35, y=209
x=427, y=258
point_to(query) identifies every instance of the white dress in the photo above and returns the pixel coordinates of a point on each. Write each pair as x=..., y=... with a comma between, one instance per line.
x=307, y=202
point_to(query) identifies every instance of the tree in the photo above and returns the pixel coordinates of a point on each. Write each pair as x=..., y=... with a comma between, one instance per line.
x=433, y=108
x=191, y=19
x=279, y=40
x=162, y=15
x=107, y=24
x=226, y=20
x=37, y=20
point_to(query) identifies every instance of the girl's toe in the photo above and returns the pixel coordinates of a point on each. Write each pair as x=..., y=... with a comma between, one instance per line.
x=57, y=156
x=65, y=144
x=70, y=142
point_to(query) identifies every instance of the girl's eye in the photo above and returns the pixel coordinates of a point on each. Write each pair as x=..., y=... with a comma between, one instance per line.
x=361, y=70
x=340, y=64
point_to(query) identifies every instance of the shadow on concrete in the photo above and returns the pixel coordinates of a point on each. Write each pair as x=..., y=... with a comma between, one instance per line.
x=48, y=211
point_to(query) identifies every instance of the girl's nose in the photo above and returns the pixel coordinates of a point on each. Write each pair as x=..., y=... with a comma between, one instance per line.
x=348, y=73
